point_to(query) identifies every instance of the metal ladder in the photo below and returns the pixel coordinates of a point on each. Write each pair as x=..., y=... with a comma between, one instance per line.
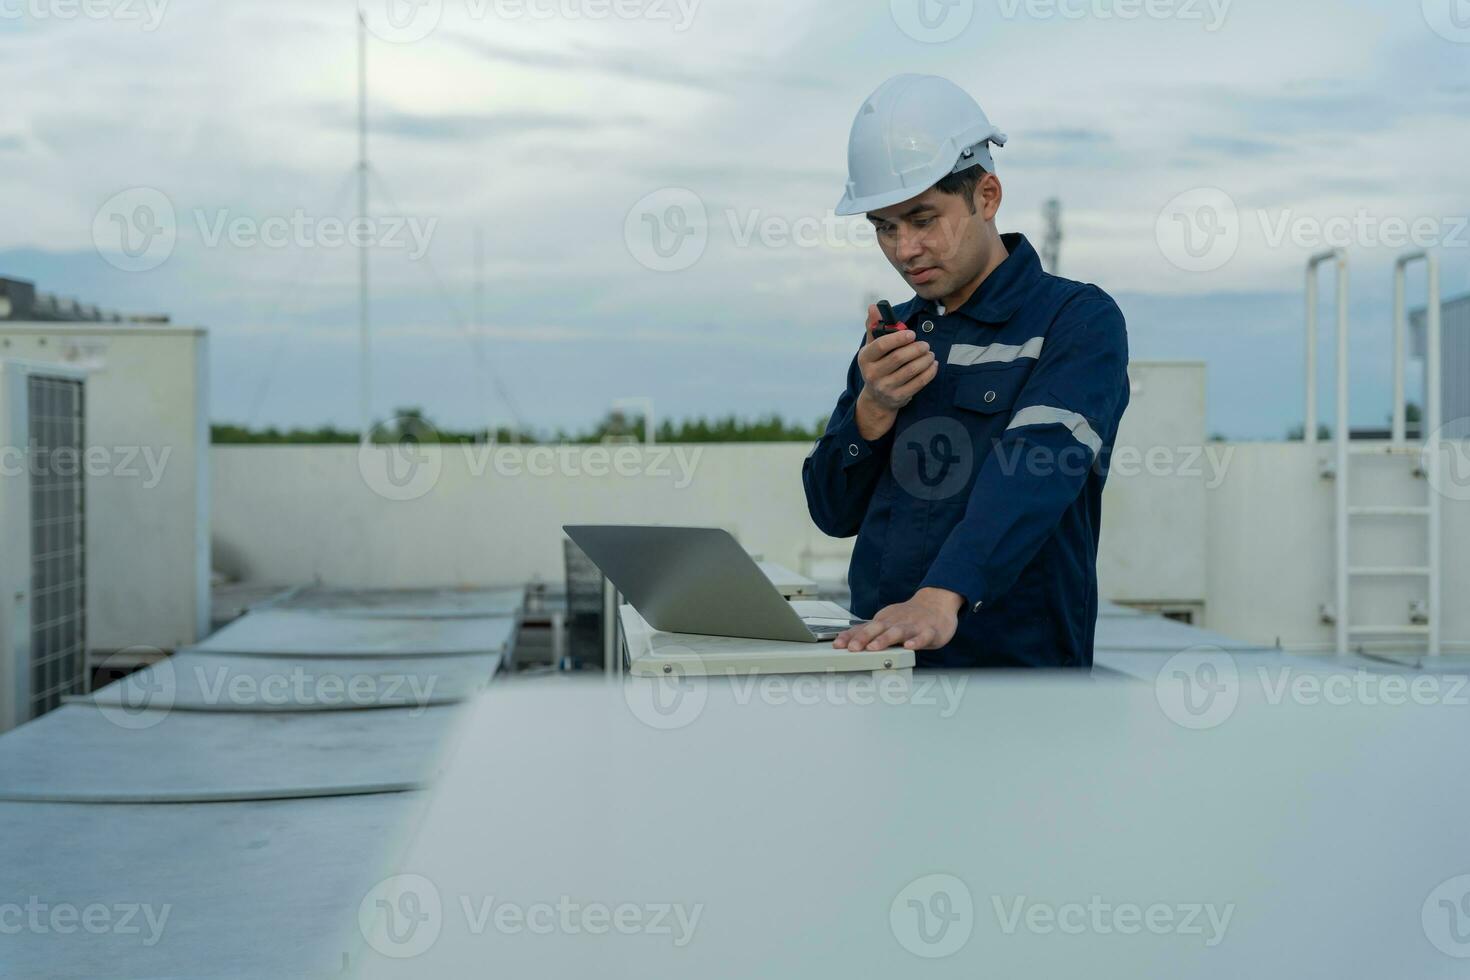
x=1425, y=454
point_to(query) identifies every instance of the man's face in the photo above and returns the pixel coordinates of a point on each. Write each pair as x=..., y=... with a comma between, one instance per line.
x=935, y=241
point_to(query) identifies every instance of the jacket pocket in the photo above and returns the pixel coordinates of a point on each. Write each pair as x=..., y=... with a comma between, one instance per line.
x=990, y=391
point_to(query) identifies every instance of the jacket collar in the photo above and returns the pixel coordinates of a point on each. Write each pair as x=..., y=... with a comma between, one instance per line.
x=1001, y=294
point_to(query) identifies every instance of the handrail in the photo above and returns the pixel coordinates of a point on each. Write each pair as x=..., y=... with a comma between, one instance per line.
x=1430, y=420
x=1309, y=428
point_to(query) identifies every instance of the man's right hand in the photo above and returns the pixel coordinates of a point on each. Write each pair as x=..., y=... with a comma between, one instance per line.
x=895, y=368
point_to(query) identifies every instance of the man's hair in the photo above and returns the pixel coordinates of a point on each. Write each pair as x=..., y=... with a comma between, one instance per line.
x=963, y=183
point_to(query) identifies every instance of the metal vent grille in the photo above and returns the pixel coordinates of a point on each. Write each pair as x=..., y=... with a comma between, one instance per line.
x=58, y=568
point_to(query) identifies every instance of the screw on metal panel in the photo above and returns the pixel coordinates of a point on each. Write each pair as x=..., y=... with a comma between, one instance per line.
x=888, y=665
x=668, y=668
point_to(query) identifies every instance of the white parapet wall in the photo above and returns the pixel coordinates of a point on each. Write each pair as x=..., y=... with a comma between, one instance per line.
x=1271, y=544
x=463, y=514
x=1240, y=532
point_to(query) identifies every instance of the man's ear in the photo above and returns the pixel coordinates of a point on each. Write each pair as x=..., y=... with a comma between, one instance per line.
x=988, y=195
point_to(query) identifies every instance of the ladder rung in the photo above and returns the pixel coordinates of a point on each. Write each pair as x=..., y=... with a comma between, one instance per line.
x=1376, y=511
x=1381, y=450
x=1387, y=630
x=1379, y=571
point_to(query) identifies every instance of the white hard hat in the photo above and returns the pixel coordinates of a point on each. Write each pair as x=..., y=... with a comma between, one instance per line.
x=911, y=133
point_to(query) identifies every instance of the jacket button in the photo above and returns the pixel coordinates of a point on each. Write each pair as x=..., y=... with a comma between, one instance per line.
x=989, y=396
x=852, y=450
x=927, y=326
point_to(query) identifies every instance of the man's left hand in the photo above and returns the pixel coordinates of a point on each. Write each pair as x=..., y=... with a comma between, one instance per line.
x=925, y=622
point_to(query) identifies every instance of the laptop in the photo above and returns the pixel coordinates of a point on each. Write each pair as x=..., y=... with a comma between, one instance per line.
x=697, y=580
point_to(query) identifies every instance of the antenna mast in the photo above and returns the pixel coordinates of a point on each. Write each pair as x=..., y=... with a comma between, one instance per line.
x=1051, y=245
x=365, y=364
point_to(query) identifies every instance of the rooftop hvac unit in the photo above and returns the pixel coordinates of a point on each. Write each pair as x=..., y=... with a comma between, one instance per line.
x=43, y=656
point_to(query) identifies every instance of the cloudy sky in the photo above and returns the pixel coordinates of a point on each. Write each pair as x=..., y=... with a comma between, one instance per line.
x=652, y=182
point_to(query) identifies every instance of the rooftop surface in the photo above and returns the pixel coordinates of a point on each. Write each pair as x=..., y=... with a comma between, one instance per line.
x=256, y=807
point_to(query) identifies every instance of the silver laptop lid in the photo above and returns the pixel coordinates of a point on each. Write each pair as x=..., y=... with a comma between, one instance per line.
x=690, y=580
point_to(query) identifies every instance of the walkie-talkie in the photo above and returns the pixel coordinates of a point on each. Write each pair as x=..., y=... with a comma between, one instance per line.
x=888, y=323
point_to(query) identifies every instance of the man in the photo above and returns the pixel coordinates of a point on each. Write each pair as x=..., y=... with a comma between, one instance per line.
x=969, y=451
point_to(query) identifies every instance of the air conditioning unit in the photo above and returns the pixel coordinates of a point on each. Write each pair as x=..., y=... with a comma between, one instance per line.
x=43, y=626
